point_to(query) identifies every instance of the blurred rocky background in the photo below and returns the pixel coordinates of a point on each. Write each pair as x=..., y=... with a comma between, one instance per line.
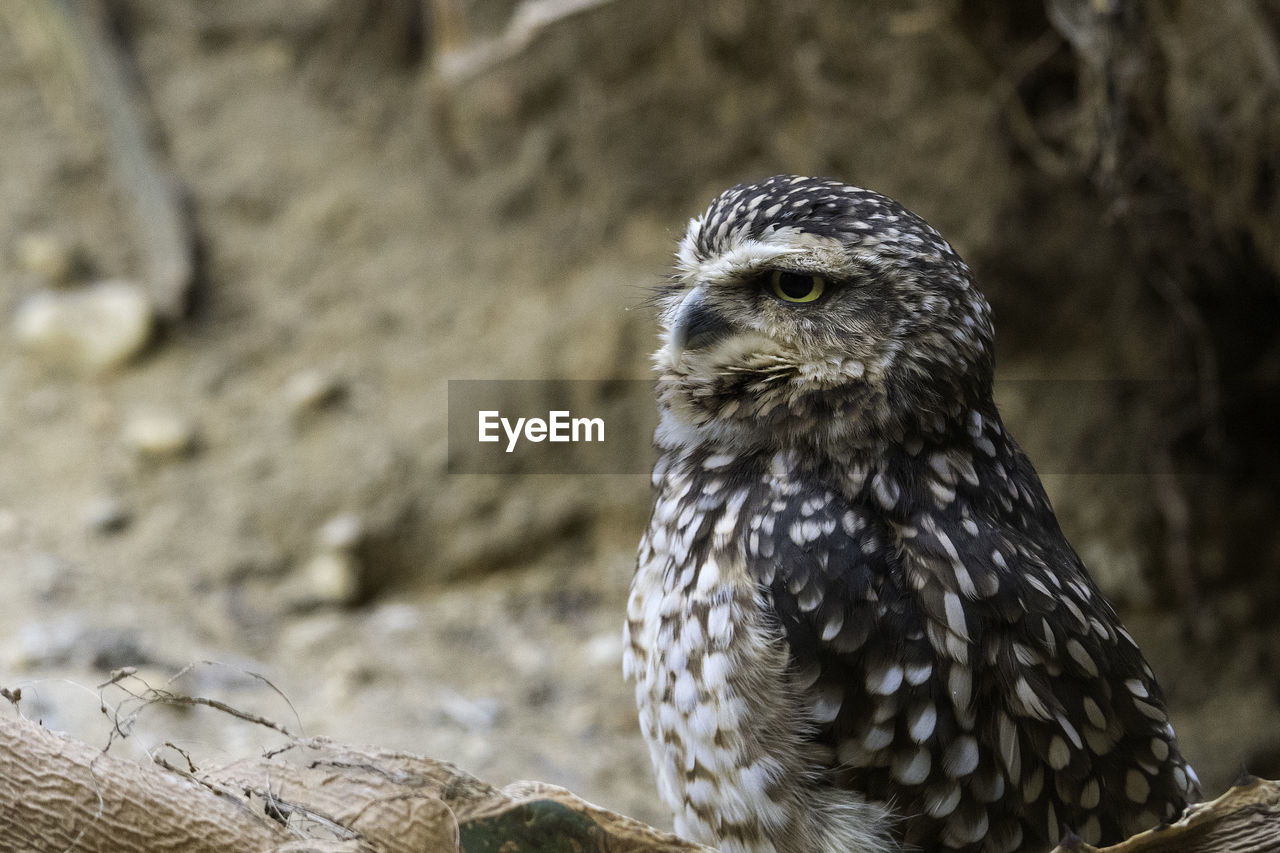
x=245, y=244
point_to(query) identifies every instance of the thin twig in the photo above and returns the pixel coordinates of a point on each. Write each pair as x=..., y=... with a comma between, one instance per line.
x=530, y=18
x=162, y=208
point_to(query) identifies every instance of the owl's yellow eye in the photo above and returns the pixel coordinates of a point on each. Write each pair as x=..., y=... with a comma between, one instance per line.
x=796, y=287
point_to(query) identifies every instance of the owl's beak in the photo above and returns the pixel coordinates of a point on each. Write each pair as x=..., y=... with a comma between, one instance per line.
x=696, y=325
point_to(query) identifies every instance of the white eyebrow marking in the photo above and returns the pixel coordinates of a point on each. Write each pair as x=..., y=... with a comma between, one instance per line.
x=800, y=250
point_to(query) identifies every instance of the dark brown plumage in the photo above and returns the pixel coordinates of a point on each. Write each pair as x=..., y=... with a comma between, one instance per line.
x=855, y=623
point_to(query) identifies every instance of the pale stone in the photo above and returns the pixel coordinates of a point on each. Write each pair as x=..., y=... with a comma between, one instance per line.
x=343, y=532
x=310, y=390
x=92, y=329
x=106, y=514
x=331, y=577
x=160, y=434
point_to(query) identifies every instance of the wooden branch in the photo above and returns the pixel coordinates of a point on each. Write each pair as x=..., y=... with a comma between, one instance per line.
x=58, y=794
x=402, y=802
x=315, y=795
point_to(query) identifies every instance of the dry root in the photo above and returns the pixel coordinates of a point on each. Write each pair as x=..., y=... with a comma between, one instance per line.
x=57, y=794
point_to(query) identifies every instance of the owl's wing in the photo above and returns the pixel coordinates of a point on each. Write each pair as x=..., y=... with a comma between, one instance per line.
x=959, y=659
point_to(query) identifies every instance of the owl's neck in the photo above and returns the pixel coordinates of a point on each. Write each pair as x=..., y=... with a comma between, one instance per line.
x=838, y=424
x=919, y=472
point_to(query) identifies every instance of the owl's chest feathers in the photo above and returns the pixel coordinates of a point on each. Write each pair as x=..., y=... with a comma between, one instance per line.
x=706, y=668
x=729, y=717
x=698, y=617
x=720, y=709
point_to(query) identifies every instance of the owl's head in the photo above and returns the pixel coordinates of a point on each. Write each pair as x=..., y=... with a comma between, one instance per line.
x=808, y=312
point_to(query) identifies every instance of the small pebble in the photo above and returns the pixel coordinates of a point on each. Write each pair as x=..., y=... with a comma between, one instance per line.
x=46, y=642
x=312, y=390
x=74, y=638
x=160, y=435
x=92, y=329
x=331, y=577
x=106, y=514
x=112, y=647
x=472, y=714
x=343, y=532
x=52, y=258
x=396, y=618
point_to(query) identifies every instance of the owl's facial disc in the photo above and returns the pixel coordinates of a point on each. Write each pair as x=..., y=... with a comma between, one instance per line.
x=742, y=302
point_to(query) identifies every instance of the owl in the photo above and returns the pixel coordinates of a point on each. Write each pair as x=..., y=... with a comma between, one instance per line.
x=855, y=624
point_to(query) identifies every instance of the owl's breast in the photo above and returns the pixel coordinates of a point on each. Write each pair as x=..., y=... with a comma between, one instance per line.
x=709, y=672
